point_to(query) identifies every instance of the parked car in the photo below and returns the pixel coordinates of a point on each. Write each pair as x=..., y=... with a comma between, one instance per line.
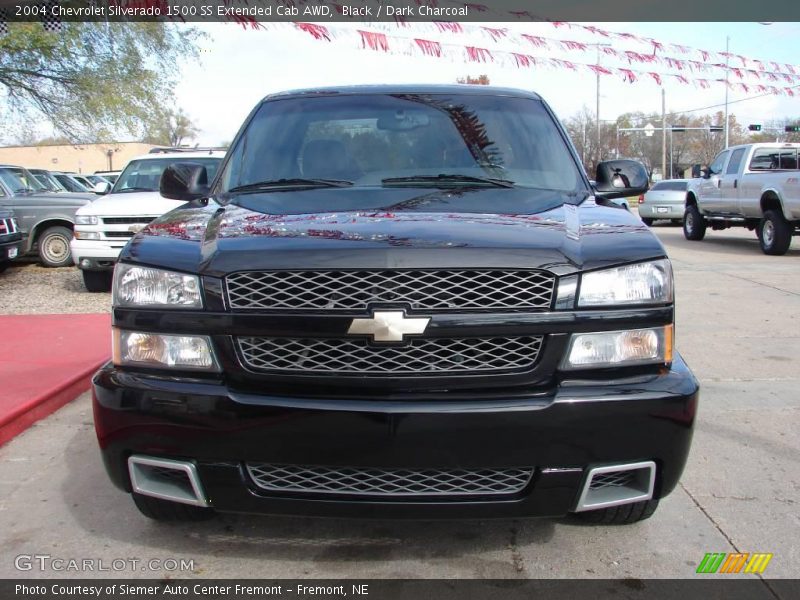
x=396, y=301
x=111, y=176
x=756, y=186
x=105, y=226
x=70, y=183
x=10, y=238
x=95, y=179
x=665, y=200
x=44, y=218
x=83, y=180
x=47, y=180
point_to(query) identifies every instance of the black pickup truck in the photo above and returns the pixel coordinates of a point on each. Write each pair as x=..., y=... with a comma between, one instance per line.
x=396, y=301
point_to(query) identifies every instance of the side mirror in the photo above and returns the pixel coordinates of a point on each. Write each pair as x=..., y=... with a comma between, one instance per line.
x=102, y=188
x=184, y=181
x=621, y=178
x=706, y=173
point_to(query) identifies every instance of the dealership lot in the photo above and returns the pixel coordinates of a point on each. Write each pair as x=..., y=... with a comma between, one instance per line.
x=738, y=326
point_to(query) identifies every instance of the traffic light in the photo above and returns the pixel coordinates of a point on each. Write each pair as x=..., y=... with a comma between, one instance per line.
x=792, y=128
x=754, y=127
x=720, y=127
x=679, y=128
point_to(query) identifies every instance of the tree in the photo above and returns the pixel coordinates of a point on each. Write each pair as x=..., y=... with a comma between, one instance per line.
x=479, y=80
x=170, y=128
x=91, y=81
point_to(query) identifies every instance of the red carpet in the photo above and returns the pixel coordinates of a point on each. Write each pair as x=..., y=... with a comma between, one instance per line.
x=46, y=361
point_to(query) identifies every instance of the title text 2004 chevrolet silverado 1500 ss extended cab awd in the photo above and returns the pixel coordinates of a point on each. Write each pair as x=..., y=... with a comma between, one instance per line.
x=396, y=301
x=755, y=186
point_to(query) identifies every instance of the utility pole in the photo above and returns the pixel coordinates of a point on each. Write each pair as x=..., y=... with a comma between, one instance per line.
x=727, y=63
x=597, y=114
x=663, y=134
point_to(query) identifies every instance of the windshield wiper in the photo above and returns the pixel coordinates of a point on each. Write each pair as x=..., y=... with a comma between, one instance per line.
x=453, y=178
x=294, y=182
x=136, y=189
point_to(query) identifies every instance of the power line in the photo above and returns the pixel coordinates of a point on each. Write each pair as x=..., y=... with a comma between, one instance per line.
x=680, y=112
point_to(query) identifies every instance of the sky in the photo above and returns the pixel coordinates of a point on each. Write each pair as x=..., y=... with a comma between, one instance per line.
x=237, y=67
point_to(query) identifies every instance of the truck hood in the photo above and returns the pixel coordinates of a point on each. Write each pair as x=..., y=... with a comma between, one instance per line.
x=132, y=204
x=563, y=238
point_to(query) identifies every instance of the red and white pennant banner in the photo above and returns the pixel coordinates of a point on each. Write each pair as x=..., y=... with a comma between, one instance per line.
x=521, y=58
x=656, y=54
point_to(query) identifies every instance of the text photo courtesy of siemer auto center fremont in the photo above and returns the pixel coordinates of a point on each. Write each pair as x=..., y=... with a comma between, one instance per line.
x=380, y=298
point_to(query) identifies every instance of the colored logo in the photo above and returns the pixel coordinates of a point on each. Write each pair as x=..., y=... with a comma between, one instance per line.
x=735, y=562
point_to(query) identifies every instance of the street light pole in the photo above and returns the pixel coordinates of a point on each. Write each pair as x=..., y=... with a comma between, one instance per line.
x=597, y=114
x=663, y=133
x=727, y=64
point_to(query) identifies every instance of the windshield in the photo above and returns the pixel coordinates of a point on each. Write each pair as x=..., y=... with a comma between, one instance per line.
x=401, y=140
x=28, y=181
x=145, y=175
x=13, y=181
x=68, y=182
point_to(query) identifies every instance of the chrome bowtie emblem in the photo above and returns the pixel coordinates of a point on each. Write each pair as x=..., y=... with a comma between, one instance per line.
x=388, y=326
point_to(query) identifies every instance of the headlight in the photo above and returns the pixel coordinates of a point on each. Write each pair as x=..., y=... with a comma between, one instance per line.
x=642, y=283
x=143, y=286
x=86, y=220
x=619, y=348
x=86, y=235
x=135, y=348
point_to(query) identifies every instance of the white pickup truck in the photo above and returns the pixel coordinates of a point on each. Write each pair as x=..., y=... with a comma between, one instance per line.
x=756, y=186
x=103, y=227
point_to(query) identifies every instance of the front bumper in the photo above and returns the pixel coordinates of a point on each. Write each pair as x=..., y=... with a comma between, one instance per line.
x=576, y=425
x=11, y=250
x=661, y=211
x=94, y=255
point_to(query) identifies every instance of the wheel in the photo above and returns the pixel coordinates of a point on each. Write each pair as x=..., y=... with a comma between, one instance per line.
x=694, y=225
x=621, y=515
x=164, y=510
x=97, y=281
x=4, y=265
x=775, y=233
x=648, y=222
x=54, y=247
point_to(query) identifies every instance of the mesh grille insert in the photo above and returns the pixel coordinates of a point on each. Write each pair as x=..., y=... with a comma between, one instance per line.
x=420, y=356
x=389, y=482
x=355, y=290
x=613, y=479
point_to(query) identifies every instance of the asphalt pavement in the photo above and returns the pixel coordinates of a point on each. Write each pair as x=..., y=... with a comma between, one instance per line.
x=738, y=327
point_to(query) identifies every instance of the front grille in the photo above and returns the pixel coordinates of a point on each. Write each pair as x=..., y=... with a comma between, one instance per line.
x=420, y=356
x=119, y=234
x=126, y=220
x=613, y=479
x=389, y=482
x=355, y=290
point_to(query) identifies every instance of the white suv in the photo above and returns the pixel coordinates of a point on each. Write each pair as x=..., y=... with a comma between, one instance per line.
x=103, y=227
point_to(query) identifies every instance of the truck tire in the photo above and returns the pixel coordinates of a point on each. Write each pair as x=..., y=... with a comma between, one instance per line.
x=648, y=221
x=621, y=515
x=164, y=510
x=4, y=265
x=54, y=248
x=774, y=233
x=694, y=224
x=97, y=281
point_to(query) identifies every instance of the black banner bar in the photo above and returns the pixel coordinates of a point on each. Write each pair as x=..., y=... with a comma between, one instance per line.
x=244, y=11
x=734, y=587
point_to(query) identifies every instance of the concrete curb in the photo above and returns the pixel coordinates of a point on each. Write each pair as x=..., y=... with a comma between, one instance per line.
x=46, y=403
